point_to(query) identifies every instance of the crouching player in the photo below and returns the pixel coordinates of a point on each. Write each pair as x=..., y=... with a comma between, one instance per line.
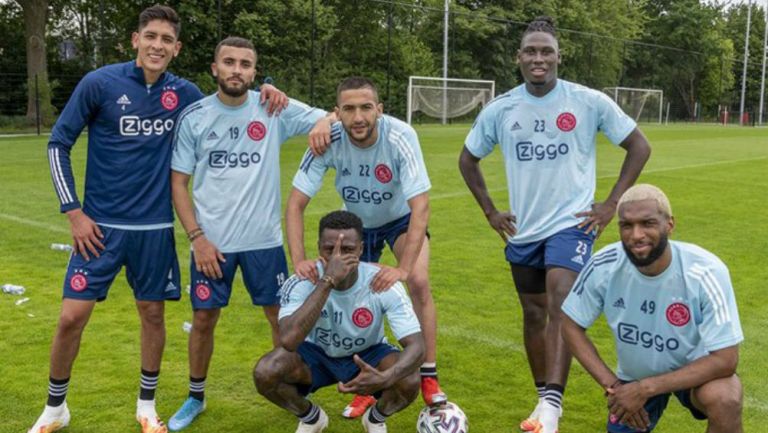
x=671, y=308
x=333, y=332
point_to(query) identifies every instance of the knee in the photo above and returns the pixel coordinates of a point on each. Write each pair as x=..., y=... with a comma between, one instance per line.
x=205, y=320
x=266, y=372
x=534, y=314
x=418, y=286
x=71, y=322
x=722, y=402
x=152, y=314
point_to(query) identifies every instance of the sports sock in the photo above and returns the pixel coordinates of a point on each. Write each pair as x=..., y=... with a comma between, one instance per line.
x=554, y=395
x=197, y=388
x=428, y=369
x=57, y=391
x=375, y=416
x=312, y=415
x=540, y=388
x=148, y=384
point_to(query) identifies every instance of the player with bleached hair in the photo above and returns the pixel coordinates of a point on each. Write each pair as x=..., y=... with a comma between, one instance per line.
x=672, y=311
x=546, y=129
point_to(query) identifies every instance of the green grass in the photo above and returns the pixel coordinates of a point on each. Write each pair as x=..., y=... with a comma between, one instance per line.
x=714, y=176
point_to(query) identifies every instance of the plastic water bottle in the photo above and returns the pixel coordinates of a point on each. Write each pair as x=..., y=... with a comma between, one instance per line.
x=61, y=247
x=187, y=327
x=13, y=289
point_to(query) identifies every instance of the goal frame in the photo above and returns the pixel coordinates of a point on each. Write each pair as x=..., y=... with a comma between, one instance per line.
x=409, y=97
x=613, y=92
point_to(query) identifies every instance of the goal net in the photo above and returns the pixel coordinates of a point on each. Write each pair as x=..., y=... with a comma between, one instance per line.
x=447, y=98
x=643, y=105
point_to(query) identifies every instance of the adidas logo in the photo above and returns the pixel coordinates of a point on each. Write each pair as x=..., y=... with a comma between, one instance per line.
x=123, y=101
x=516, y=126
x=212, y=136
x=577, y=259
x=170, y=287
x=345, y=172
x=619, y=304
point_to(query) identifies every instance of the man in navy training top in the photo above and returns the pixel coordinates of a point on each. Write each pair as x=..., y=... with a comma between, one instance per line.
x=126, y=219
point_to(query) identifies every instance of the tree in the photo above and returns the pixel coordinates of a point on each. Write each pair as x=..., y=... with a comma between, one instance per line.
x=38, y=87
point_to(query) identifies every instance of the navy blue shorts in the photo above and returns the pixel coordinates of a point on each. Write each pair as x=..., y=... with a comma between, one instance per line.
x=373, y=239
x=149, y=257
x=328, y=371
x=655, y=407
x=569, y=248
x=264, y=271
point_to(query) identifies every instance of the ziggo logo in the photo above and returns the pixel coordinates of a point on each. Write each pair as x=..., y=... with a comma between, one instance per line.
x=527, y=151
x=131, y=126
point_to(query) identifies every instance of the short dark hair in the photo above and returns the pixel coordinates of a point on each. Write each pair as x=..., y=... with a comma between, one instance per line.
x=234, y=41
x=541, y=24
x=341, y=220
x=353, y=83
x=160, y=12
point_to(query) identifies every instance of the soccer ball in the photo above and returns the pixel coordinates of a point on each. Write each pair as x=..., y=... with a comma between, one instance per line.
x=447, y=418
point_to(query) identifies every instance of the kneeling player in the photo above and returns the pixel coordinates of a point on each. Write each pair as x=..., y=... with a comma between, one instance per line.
x=671, y=308
x=333, y=332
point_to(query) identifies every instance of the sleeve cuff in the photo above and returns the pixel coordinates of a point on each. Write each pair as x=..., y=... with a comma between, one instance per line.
x=70, y=206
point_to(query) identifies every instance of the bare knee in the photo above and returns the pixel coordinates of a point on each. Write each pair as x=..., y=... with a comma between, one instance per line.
x=721, y=399
x=534, y=313
x=152, y=313
x=267, y=372
x=418, y=286
x=72, y=323
x=205, y=320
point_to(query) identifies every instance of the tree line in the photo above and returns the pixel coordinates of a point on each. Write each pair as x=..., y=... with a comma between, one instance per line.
x=690, y=49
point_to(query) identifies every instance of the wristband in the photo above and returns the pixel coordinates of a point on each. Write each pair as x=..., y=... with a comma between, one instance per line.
x=328, y=280
x=194, y=234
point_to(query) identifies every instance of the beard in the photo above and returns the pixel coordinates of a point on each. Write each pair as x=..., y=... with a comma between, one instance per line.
x=232, y=91
x=368, y=134
x=654, y=255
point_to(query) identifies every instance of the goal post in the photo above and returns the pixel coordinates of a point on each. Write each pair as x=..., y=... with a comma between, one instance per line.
x=447, y=98
x=640, y=104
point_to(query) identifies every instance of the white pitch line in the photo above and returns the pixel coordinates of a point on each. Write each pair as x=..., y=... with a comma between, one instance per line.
x=753, y=403
x=32, y=223
x=443, y=196
x=488, y=340
x=609, y=176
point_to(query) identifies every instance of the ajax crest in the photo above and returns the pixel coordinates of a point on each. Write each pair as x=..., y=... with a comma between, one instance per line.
x=566, y=122
x=169, y=99
x=203, y=292
x=362, y=317
x=383, y=173
x=678, y=314
x=257, y=131
x=78, y=282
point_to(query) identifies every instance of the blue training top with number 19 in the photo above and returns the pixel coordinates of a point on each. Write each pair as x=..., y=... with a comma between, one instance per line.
x=234, y=154
x=549, y=152
x=130, y=126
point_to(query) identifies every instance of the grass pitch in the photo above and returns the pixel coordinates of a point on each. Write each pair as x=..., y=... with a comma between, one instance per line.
x=715, y=178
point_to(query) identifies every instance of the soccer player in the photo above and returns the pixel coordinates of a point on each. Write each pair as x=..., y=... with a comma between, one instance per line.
x=546, y=129
x=671, y=308
x=381, y=177
x=126, y=219
x=232, y=147
x=332, y=331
